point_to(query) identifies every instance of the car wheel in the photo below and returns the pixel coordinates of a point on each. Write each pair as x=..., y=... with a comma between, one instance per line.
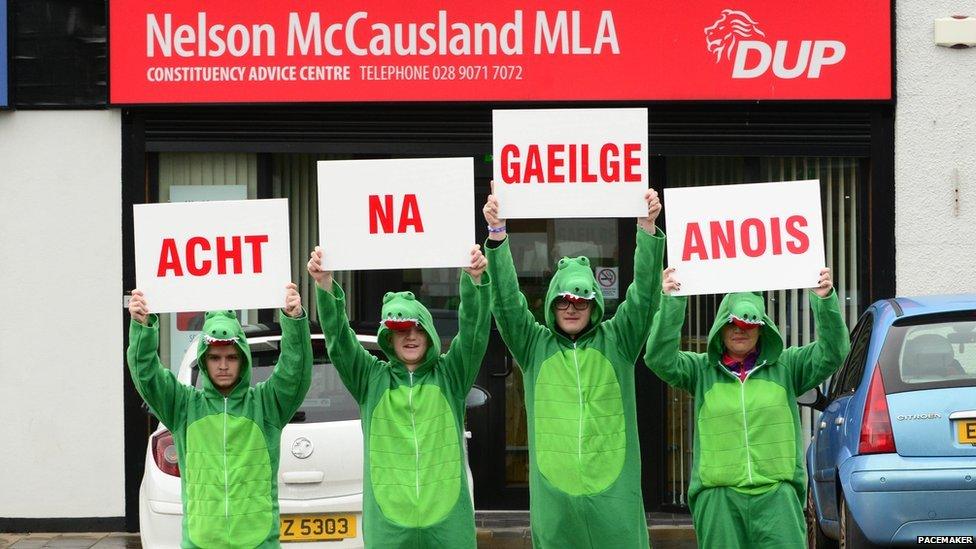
x=851, y=536
x=815, y=536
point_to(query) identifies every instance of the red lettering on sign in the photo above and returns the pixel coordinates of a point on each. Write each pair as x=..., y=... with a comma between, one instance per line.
x=382, y=214
x=533, y=165
x=226, y=248
x=410, y=216
x=756, y=237
x=609, y=167
x=562, y=163
x=256, y=240
x=802, y=244
x=169, y=259
x=191, y=256
x=631, y=162
x=555, y=162
x=233, y=254
x=754, y=226
x=694, y=244
x=723, y=238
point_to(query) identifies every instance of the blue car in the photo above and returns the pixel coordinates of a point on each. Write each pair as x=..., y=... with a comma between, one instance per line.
x=894, y=452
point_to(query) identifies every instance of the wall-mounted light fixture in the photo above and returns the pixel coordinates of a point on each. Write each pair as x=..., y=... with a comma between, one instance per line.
x=958, y=31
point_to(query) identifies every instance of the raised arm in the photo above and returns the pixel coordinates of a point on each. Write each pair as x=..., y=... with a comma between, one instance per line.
x=157, y=385
x=516, y=324
x=663, y=354
x=463, y=360
x=285, y=389
x=811, y=364
x=353, y=363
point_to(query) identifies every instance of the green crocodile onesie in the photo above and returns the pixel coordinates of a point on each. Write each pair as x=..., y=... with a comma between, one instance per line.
x=748, y=484
x=227, y=446
x=415, y=487
x=584, y=456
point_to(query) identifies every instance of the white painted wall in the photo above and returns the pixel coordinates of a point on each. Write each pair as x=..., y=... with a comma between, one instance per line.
x=935, y=136
x=61, y=362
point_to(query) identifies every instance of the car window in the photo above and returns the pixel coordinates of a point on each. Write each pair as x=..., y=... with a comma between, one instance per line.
x=327, y=398
x=930, y=352
x=849, y=377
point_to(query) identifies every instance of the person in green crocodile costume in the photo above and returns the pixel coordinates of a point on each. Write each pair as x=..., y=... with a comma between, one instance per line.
x=748, y=483
x=228, y=433
x=415, y=485
x=578, y=374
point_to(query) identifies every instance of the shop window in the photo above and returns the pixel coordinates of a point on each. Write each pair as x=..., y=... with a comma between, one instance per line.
x=841, y=184
x=58, y=53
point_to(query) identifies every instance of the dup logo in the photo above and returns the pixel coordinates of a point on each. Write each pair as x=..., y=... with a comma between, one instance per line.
x=736, y=37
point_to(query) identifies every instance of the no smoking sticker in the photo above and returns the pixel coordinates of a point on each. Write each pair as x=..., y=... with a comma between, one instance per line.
x=609, y=281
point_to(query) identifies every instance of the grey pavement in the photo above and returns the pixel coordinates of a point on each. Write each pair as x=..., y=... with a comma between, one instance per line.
x=502, y=531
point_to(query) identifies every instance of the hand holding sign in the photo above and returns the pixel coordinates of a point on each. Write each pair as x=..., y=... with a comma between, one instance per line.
x=478, y=264
x=496, y=225
x=825, y=285
x=670, y=283
x=321, y=277
x=293, y=301
x=653, y=210
x=138, y=308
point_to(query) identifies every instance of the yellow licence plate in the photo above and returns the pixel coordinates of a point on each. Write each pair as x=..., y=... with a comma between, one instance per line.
x=967, y=432
x=317, y=527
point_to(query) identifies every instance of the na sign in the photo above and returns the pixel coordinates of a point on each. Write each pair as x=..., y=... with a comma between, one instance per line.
x=570, y=162
x=193, y=256
x=736, y=238
x=396, y=214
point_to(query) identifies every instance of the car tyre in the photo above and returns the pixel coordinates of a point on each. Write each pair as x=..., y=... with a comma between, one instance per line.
x=851, y=536
x=815, y=536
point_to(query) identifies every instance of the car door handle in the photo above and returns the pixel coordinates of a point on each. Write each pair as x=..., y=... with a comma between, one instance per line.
x=823, y=424
x=839, y=421
x=303, y=477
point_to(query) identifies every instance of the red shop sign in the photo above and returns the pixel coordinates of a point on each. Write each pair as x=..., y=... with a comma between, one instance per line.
x=245, y=51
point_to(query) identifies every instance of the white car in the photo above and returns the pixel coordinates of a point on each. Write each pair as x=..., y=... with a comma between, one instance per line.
x=320, y=473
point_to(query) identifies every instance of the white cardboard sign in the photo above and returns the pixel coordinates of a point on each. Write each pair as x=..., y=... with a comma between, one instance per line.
x=737, y=238
x=551, y=163
x=396, y=214
x=202, y=256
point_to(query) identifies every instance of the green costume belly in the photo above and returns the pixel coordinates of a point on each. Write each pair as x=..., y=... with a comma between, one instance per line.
x=414, y=455
x=580, y=439
x=746, y=435
x=228, y=482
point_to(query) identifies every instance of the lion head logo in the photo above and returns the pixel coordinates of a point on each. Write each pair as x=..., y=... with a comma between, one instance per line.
x=731, y=27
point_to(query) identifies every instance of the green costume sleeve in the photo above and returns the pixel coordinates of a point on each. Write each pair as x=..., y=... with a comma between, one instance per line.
x=632, y=321
x=515, y=322
x=463, y=359
x=815, y=362
x=664, y=355
x=156, y=384
x=285, y=390
x=353, y=363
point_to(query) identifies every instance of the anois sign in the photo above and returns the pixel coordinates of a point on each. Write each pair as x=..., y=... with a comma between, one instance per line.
x=222, y=51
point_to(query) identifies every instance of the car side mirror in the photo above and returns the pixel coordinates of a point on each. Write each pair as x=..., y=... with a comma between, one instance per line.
x=477, y=397
x=813, y=398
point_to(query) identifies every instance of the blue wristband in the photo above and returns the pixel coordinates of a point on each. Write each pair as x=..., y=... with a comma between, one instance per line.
x=496, y=229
